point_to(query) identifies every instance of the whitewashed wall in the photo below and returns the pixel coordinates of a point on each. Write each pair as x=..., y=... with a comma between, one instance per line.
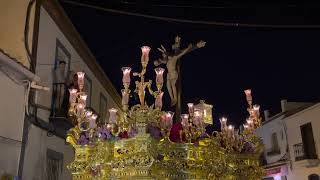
x=299, y=170
x=48, y=34
x=35, y=158
x=265, y=132
x=11, y=124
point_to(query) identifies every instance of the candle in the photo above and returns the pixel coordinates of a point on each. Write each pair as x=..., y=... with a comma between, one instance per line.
x=184, y=120
x=223, y=122
x=197, y=120
x=145, y=54
x=73, y=95
x=250, y=123
x=126, y=75
x=83, y=99
x=158, y=101
x=169, y=116
x=125, y=96
x=190, y=108
x=256, y=108
x=230, y=131
x=88, y=114
x=159, y=72
x=80, y=109
x=247, y=92
x=92, y=121
x=248, y=95
x=80, y=79
x=109, y=127
x=113, y=115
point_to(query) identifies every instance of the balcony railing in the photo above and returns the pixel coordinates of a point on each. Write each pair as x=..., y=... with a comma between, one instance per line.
x=59, y=103
x=60, y=106
x=299, y=152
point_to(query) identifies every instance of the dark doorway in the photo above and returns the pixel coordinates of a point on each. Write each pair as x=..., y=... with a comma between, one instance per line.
x=308, y=141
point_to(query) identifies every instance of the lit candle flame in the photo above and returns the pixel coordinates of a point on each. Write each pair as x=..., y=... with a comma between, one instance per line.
x=247, y=92
x=80, y=75
x=145, y=50
x=83, y=97
x=224, y=119
x=94, y=116
x=256, y=107
x=126, y=75
x=73, y=95
x=88, y=113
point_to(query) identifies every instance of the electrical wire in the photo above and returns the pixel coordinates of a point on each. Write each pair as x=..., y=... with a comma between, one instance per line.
x=26, y=33
x=224, y=5
x=215, y=23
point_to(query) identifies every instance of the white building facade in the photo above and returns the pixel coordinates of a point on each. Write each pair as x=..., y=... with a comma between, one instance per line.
x=275, y=135
x=46, y=154
x=32, y=142
x=16, y=77
x=304, y=143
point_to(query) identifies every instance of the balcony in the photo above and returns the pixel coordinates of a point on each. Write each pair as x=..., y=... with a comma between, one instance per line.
x=59, y=103
x=299, y=152
x=303, y=158
x=59, y=107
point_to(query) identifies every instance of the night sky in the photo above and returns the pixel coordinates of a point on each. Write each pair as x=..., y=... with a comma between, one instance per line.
x=275, y=63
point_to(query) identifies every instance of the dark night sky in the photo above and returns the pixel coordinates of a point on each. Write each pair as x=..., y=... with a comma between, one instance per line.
x=276, y=63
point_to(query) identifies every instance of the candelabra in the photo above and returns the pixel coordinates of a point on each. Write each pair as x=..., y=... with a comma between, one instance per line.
x=233, y=139
x=138, y=142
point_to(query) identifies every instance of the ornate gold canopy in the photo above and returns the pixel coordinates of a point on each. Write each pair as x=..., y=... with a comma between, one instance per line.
x=127, y=147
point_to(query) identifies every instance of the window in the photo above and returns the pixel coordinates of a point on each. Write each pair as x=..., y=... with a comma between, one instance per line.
x=60, y=77
x=308, y=141
x=313, y=177
x=274, y=145
x=54, y=165
x=274, y=141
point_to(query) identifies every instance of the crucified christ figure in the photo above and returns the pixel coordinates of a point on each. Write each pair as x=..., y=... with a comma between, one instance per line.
x=170, y=59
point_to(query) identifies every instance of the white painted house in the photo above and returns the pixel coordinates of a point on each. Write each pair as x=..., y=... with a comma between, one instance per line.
x=32, y=143
x=16, y=76
x=304, y=143
x=274, y=133
x=47, y=154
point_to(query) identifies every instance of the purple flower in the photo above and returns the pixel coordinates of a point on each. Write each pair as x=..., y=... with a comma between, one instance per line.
x=83, y=140
x=104, y=133
x=132, y=132
x=154, y=131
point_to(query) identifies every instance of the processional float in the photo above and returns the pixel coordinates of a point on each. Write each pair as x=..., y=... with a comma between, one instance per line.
x=141, y=141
